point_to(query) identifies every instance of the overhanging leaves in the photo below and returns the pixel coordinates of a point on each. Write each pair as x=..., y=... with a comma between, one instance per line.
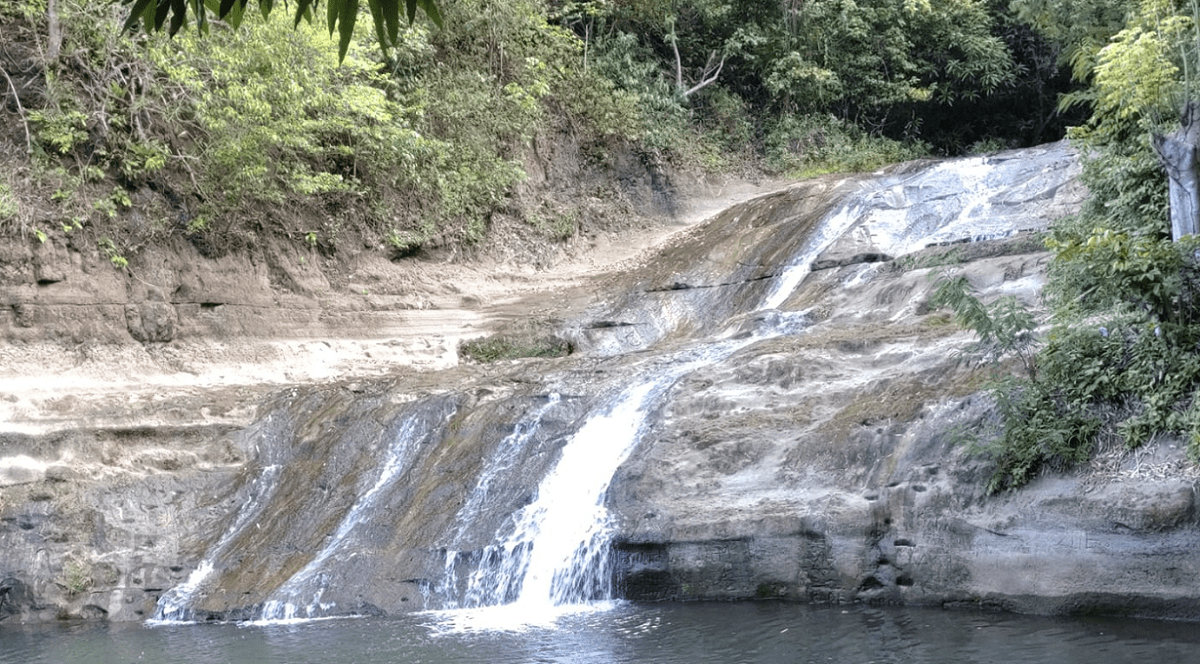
x=340, y=15
x=347, y=13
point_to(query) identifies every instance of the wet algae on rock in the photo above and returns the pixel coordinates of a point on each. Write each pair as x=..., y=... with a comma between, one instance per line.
x=797, y=437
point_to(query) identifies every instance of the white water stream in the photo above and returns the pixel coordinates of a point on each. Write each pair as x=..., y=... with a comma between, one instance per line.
x=555, y=559
x=175, y=604
x=506, y=457
x=300, y=597
x=830, y=229
x=885, y=205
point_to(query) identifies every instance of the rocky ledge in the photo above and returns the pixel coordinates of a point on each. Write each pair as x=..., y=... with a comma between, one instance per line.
x=824, y=464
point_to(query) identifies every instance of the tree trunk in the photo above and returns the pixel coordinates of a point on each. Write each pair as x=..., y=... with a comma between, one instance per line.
x=707, y=77
x=1177, y=153
x=55, y=32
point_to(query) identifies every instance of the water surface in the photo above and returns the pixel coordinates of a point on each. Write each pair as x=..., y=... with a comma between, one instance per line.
x=700, y=633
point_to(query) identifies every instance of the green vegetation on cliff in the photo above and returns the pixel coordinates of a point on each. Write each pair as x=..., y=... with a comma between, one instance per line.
x=1124, y=351
x=1121, y=360
x=240, y=134
x=126, y=138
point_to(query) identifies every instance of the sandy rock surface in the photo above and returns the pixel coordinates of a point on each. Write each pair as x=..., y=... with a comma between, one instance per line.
x=181, y=340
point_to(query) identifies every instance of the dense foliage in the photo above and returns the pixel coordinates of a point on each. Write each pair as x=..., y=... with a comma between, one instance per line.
x=261, y=131
x=259, y=124
x=1121, y=360
x=929, y=71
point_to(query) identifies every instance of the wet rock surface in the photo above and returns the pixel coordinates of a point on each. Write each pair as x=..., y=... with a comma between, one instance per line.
x=328, y=432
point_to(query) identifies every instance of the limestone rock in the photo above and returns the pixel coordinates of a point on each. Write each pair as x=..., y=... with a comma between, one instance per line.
x=21, y=469
x=821, y=459
x=152, y=321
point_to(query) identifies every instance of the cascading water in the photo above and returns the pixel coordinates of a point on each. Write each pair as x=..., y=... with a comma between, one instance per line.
x=567, y=526
x=300, y=597
x=555, y=555
x=503, y=461
x=830, y=228
x=175, y=604
x=553, y=552
x=556, y=550
x=885, y=203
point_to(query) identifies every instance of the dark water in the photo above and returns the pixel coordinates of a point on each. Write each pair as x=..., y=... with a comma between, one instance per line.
x=764, y=633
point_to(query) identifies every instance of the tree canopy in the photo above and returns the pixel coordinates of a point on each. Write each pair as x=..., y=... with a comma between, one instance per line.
x=1122, y=358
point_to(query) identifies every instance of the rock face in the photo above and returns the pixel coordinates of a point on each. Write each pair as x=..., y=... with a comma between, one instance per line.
x=830, y=466
x=99, y=523
x=810, y=448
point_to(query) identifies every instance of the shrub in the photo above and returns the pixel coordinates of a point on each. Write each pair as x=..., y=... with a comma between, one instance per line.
x=664, y=121
x=1005, y=328
x=1038, y=432
x=804, y=145
x=1131, y=374
x=280, y=120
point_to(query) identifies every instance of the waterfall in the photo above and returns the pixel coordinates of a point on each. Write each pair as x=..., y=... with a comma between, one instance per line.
x=967, y=213
x=555, y=557
x=300, y=597
x=831, y=227
x=908, y=212
x=175, y=604
x=552, y=553
x=503, y=461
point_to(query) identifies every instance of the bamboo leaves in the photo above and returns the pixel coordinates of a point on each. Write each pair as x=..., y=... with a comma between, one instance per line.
x=340, y=16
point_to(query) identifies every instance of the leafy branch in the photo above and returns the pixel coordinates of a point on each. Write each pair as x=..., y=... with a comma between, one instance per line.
x=1005, y=328
x=340, y=16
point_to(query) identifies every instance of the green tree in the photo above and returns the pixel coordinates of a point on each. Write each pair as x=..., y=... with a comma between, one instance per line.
x=1081, y=28
x=1122, y=356
x=1148, y=75
x=1141, y=59
x=878, y=63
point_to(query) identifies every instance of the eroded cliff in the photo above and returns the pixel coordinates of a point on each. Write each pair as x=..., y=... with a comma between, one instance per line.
x=300, y=435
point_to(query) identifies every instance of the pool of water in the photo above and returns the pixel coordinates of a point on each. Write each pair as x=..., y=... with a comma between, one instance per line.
x=701, y=633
